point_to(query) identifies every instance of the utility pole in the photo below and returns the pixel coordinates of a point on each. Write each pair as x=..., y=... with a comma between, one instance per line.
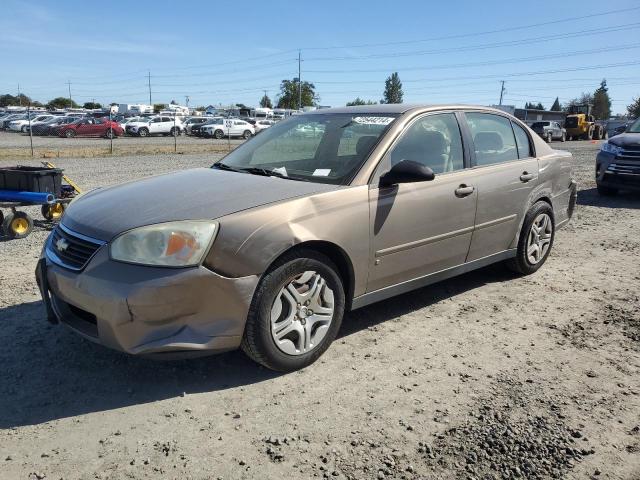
x=149, y=82
x=19, y=97
x=299, y=82
x=70, y=101
x=501, y=92
x=186, y=99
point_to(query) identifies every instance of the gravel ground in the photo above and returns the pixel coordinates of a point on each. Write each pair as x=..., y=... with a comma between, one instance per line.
x=483, y=376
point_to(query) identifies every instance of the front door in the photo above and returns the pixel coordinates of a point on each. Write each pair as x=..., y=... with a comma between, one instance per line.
x=424, y=227
x=505, y=173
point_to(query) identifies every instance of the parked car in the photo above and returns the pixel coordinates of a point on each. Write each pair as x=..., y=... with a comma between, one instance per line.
x=267, y=249
x=90, y=127
x=23, y=124
x=228, y=127
x=549, y=131
x=192, y=122
x=4, y=122
x=50, y=127
x=196, y=130
x=618, y=162
x=263, y=125
x=159, y=125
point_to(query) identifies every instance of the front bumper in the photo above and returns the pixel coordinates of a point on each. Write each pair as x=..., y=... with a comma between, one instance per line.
x=617, y=173
x=147, y=310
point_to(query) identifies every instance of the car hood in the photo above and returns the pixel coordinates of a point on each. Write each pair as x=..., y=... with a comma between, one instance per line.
x=626, y=140
x=197, y=194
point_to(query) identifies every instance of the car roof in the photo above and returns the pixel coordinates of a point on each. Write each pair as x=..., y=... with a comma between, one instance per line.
x=399, y=108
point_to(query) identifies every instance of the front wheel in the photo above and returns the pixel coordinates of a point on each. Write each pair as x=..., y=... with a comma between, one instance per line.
x=246, y=135
x=70, y=133
x=563, y=138
x=535, y=241
x=143, y=132
x=174, y=132
x=549, y=137
x=296, y=312
x=109, y=134
x=218, y=134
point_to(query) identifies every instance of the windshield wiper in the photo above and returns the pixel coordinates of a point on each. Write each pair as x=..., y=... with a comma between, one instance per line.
x=224, y=166
x=269, y=173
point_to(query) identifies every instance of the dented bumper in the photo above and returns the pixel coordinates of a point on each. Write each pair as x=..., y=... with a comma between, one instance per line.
x=148, y=310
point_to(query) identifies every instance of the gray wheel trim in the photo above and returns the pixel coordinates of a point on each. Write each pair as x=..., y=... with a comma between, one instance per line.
x=539, y=239
x=302, y=313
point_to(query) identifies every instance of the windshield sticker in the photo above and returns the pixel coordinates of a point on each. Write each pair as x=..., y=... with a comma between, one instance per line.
x=321, y=172
x=281, y=170
x=373, y=120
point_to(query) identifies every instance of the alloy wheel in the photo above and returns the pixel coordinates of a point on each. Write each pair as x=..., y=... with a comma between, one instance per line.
x=539, y=239
x=302, y=313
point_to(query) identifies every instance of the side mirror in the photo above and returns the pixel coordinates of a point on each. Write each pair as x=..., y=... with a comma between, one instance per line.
x=407, y=171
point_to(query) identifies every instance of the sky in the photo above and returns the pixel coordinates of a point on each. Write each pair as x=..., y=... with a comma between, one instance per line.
x=231, y=52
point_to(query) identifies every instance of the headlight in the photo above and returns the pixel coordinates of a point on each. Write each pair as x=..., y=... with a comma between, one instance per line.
x=175, y=244
x=610, y=148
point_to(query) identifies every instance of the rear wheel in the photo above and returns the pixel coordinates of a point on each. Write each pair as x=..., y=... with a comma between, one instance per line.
x=563, y=137
x=53, y=211
x=296, y=312
x=109, y=133
x=597, y=134
x=70, y=133
x=174, y=132
x=247, y=134
x=549, y=137
x=607, y=191
x=535, y=241
x=24, y=129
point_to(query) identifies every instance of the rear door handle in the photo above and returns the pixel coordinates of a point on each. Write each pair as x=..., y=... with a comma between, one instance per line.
x=526, y=177
x=464, y=190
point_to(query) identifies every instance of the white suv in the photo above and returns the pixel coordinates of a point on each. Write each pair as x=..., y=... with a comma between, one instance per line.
x=228, y=127
x=159, y=125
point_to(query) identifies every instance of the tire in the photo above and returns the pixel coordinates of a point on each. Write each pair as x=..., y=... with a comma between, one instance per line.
x=549, y=137
x=70, y=133
x=258, y=341
x=17, y=225
x=246, y=134
x=605, y=135
x=109, y=134
x=597, y=134
x=53, y=212
x=219, y=134
x=563, y=138
x=143, y=132
x=522, y=263
x=24, y=129
x=174, y=132
x=606, y=191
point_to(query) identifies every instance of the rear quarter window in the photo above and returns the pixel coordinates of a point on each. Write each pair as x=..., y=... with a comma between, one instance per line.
x=522, y=141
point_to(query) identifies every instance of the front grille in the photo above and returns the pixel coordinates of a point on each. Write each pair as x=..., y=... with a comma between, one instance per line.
x=71, y=250
x=625, y=169
x=629, y=153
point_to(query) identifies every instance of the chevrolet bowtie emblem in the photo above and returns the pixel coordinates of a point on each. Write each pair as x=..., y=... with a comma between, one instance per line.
x=62, y=245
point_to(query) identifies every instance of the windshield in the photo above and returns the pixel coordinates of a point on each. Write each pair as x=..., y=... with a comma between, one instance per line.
x=635, y=128
x=539, y=124
x=324, y=148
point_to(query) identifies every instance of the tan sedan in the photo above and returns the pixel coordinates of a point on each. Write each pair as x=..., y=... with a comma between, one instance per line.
x=269, y=247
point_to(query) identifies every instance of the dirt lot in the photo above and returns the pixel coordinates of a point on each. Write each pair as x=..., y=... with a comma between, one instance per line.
x=484, y=376
x=15, y=145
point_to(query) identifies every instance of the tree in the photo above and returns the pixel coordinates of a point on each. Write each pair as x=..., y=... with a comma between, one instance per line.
x=91, y=106
x=61, y=102
x=602, y=102
x=392, y=89
x=534, y=106
x=8, y=100
x=583, y=99
x=289, y=94
x=556, y=105
x=265, y=102
x=158, y=107
x=634, y=108
x=360, y=101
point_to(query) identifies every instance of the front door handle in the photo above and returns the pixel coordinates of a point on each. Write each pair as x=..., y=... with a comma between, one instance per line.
x=526, y=177
x=464, y=190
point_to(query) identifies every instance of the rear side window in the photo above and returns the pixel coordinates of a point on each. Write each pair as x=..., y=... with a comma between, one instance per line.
x=493, y=138
x=522, y=139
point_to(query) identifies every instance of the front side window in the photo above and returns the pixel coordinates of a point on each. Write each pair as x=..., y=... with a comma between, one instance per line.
x=433, y=140
x=324, y=148
x=493, y=138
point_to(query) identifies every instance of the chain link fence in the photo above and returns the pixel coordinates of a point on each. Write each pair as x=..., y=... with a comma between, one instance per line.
x=38, y=133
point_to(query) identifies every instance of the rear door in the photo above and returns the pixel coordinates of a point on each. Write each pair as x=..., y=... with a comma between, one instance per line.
x=505, y=173
x=155, y=126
